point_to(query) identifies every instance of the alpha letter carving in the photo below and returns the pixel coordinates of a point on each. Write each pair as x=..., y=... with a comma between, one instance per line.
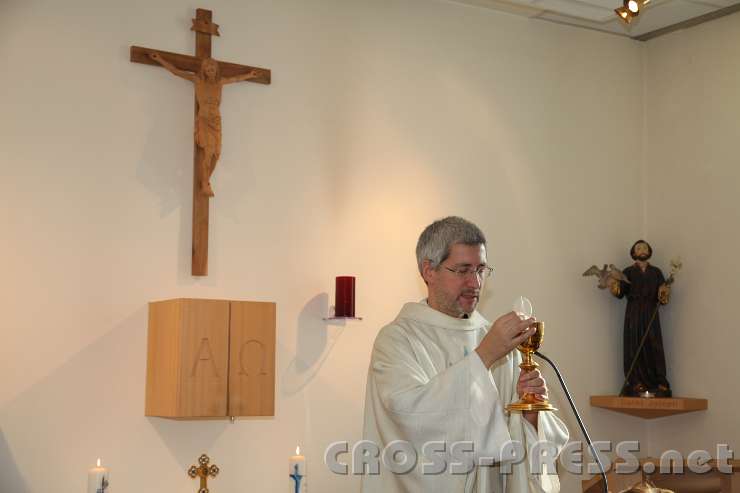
x=205, y=354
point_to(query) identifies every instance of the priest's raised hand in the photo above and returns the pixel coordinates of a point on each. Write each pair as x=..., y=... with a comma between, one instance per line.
x=506, y=333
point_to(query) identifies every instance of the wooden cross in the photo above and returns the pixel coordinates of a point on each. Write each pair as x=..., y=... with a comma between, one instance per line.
x=209, y=76
x=203, y=471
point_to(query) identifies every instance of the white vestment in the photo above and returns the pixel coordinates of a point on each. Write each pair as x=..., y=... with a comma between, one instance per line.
x=427, y=383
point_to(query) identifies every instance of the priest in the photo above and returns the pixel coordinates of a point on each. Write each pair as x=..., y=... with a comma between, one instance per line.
x=440, y=372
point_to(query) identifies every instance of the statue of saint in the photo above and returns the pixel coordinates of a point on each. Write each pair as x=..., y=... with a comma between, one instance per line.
x=208, y=84
x=645, y=291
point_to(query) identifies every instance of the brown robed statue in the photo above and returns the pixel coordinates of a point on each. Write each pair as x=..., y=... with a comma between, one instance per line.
x=208, y=77
x=645, y=289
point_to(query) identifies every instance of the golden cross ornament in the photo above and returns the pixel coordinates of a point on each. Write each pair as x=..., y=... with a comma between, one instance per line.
x=203, y=471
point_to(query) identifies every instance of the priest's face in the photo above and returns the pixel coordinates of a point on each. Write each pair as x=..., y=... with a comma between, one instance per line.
x=453, y=293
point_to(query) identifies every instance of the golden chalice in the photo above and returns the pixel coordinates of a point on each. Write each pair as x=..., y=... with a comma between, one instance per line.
x=529, y=402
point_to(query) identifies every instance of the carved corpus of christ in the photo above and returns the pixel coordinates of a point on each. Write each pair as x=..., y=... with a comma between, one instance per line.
x=208, y=77
x=208, y=84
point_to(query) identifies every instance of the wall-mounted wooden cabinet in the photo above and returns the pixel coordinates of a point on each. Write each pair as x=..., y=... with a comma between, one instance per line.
x=210, y=359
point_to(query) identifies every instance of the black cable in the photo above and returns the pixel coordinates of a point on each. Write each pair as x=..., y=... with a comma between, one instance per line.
x=578, y=418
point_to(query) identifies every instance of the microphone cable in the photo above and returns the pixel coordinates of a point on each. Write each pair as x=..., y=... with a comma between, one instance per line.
x=578, y=418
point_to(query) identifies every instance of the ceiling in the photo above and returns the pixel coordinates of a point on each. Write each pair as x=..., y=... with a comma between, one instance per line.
x=659, y=16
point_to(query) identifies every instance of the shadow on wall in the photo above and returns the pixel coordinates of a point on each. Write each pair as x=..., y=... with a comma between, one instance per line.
x=186, y=440
x=11, y=480
x=93, y=406
x=165, y=170
x=165, y=166
x=315, y=339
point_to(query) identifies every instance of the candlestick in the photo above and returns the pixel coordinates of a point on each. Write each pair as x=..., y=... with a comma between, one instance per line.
x=297, y=472
x=98, y=479
x=344, y=305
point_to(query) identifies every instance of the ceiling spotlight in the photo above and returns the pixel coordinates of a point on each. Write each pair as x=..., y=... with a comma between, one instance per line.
x=630, y=9
x=624, y=14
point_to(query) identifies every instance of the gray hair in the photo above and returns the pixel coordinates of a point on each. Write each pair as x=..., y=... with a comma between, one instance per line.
x=436, y=240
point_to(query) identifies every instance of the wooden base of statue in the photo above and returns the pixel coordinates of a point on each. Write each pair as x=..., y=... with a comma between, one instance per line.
x=649, y=408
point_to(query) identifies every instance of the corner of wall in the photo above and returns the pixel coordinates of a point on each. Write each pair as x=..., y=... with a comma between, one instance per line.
x=644, y=140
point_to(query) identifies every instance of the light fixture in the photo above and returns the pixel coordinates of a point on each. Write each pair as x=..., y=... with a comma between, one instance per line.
x=624, y=14
x=630, y=9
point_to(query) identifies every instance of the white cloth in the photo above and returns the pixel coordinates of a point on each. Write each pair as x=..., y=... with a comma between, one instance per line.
x=427, y=383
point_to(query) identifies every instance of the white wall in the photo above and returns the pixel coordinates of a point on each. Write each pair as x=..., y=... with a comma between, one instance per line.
x=693, y=171
x=382, y=116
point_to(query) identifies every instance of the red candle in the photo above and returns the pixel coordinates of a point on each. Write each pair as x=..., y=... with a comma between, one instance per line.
x=344, y=305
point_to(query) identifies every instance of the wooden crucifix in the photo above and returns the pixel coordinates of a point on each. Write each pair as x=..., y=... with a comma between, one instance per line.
x=208, y=76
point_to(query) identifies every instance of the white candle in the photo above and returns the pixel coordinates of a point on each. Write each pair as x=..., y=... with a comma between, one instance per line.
x=297, y=472
x=98, y=479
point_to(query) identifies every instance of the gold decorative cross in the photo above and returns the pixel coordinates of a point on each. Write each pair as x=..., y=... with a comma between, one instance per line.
x=203, y=471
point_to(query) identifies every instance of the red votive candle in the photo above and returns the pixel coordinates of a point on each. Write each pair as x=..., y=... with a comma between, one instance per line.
x=344, y=305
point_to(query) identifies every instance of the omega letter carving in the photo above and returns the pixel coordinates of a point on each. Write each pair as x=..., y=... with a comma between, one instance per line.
x=242, y=353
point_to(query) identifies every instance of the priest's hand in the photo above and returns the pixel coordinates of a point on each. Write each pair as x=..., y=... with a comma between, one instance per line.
x=506, y=333
x=532, y=382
